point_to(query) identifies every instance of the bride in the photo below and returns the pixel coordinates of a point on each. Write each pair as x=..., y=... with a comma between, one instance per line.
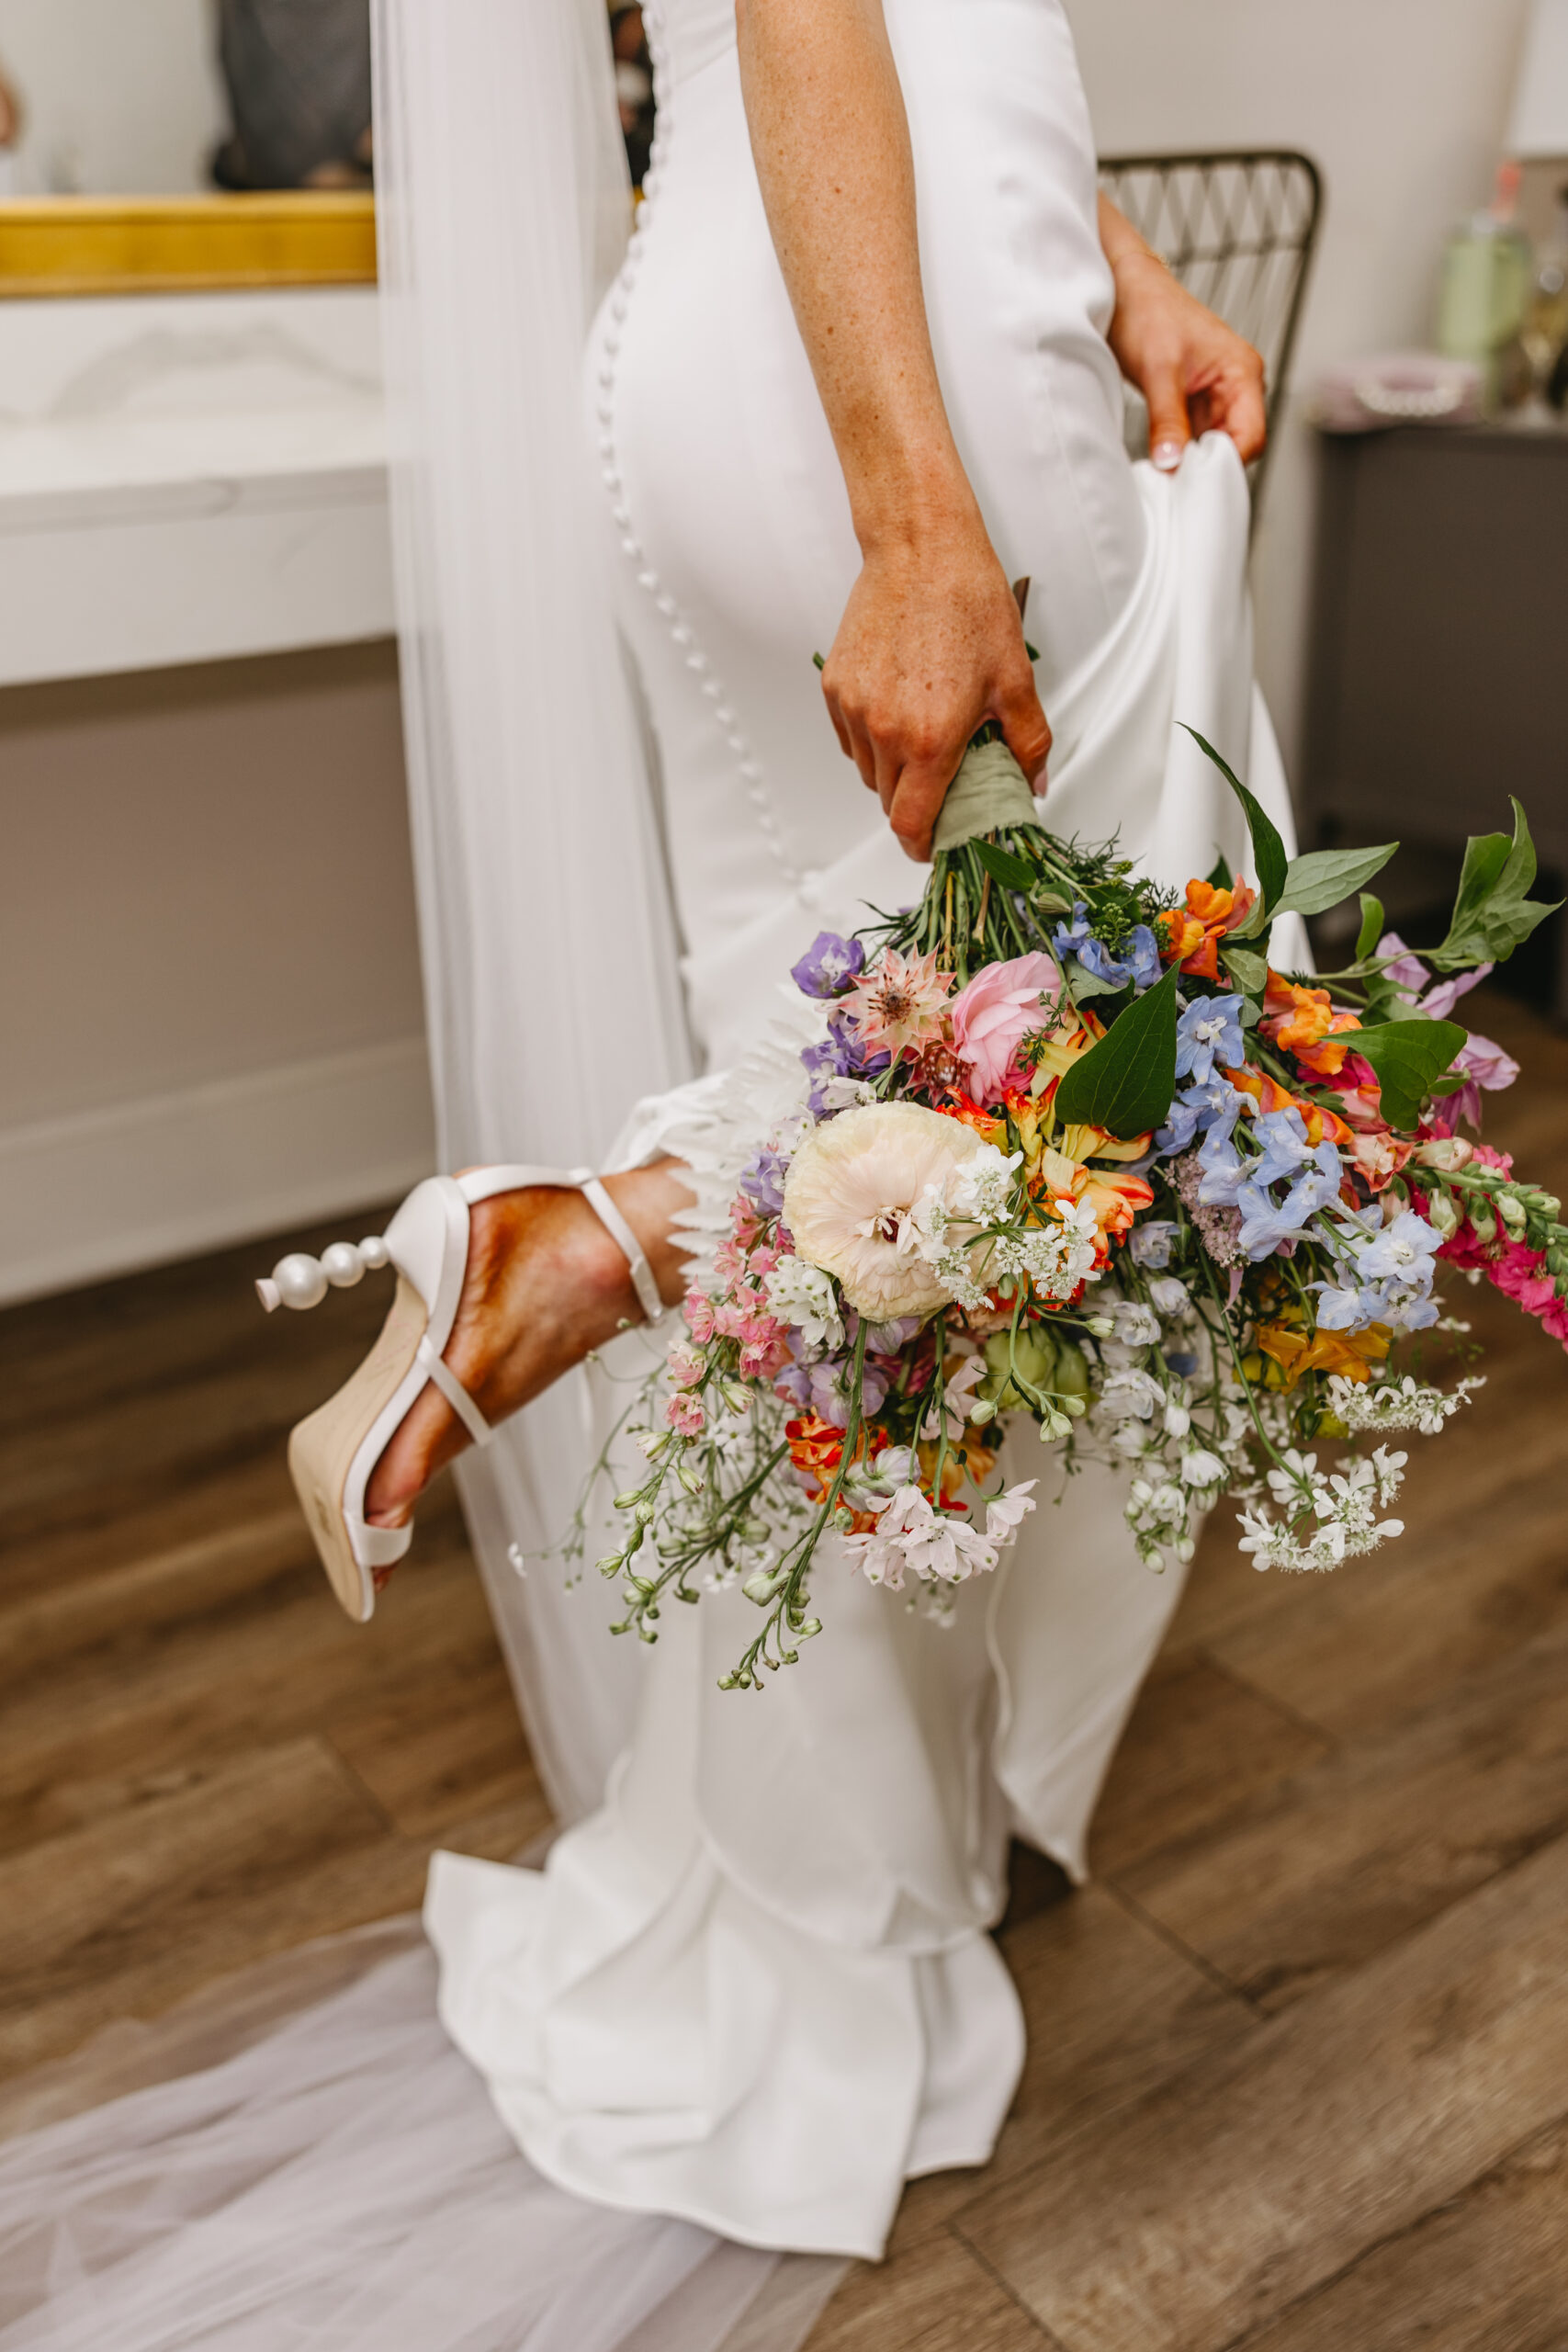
x=858, y=369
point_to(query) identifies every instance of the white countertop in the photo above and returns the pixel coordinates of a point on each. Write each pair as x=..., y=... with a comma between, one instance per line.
x=186, y=476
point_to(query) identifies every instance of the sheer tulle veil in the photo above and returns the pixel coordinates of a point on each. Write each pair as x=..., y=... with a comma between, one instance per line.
x=301, y=2155
x=548, y=945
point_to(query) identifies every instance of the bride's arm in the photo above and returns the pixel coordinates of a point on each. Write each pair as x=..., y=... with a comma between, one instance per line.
x=929, y=644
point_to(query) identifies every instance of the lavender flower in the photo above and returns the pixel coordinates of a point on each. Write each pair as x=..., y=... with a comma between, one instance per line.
x=828, y=964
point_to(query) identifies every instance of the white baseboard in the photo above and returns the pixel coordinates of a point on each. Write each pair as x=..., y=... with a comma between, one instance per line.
x=135, y=1185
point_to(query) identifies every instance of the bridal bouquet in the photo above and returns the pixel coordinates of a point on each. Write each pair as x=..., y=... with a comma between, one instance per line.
x=1056, y=1147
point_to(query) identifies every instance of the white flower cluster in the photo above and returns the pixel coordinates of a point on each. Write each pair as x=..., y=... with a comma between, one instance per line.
x=1339, y=1509
x=1404, y=1404
x=1058, y=1257
x=803, y=1295
x=936, y=1547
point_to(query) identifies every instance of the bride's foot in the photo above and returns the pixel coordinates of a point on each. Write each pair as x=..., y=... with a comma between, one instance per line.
x=546, y=1283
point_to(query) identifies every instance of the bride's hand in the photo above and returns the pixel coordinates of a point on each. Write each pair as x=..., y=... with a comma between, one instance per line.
x=1196, y=375
x=930, y=645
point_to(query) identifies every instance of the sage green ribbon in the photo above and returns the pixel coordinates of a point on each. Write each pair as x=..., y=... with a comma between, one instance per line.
x=989, y=790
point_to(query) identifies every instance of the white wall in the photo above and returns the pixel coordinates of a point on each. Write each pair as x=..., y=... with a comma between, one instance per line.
x=120, y=97
x=1404, y=103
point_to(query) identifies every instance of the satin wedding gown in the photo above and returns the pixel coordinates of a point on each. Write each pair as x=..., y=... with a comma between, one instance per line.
x=756, y=1989
x=753, y=1991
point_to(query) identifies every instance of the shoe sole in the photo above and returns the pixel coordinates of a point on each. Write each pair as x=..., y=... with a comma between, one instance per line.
x=322, y=1449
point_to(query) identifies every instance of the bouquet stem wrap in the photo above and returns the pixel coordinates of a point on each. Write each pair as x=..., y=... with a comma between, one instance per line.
x=989, y=792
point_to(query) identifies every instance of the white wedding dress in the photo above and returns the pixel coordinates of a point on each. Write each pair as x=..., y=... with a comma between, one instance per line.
x=756, y=1989
x=753, y=1991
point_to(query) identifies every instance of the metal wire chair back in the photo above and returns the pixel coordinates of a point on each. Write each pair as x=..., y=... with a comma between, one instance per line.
x=1239, y=231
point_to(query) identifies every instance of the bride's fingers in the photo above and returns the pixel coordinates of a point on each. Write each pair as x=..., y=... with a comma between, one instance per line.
x=857, y=744
x=1025, y=729
x=916, y=804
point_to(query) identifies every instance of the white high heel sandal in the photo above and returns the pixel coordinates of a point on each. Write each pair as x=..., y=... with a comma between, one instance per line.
x=333, y=1454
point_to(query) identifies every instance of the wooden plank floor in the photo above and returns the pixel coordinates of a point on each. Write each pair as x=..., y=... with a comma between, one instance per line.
x=1298, y=2079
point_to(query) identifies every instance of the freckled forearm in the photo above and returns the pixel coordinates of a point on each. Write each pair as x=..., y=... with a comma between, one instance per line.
x=831, y=144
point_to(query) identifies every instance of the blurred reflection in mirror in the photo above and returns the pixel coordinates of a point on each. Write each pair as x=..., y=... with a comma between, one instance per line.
x=634, y=85
x=10, y=132
x=298, y=78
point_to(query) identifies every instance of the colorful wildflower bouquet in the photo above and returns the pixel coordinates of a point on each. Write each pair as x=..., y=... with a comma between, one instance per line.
x=1054, y=1148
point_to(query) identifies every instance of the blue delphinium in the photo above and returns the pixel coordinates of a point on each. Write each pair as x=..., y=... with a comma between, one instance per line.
x=828, y=964
x=1389, y=1279
x=1149, y=1244
x=1209, y=1030
x=1141, y=964
x=1266, y=1223
x=1216, y=1105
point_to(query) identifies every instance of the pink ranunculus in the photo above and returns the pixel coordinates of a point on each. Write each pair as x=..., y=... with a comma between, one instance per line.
x=993, y=1015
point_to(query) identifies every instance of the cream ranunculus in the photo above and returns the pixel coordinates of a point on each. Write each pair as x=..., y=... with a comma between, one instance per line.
x=849, y=1193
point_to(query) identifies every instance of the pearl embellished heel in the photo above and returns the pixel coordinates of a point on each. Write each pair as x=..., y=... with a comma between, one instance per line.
x=333, y=1454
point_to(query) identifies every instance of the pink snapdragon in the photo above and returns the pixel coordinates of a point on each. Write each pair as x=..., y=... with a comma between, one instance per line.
x=994, y=1014
x=698, y=1312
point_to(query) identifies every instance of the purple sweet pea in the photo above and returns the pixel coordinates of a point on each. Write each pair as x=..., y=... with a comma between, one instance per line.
x=827, y=1385
x=839, y=1055
x=762, y=1181
x=1486, y=1064
x=828, y=964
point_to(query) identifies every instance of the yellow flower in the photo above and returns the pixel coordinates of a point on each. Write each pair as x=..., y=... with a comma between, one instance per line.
x=1292, y=1353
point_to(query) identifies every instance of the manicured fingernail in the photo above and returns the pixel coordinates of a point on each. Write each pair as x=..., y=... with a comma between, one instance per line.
x=1166, y=456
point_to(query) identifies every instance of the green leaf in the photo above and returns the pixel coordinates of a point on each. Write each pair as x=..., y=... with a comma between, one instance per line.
x=1218, y=875
x=1322, y=877
x=1125, y=1083
x=1268, y=848
x=1408, y=1055
x=1249, y=970
x=1492, y=914
x=1003, y=868
x=1370, y=932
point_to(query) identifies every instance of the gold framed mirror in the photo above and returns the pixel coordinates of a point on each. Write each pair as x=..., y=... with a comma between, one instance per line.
x=130, y=244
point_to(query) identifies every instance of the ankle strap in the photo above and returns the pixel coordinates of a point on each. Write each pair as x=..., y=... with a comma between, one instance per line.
x=483, y=1183
x=615, y=1224
x=452, y=1389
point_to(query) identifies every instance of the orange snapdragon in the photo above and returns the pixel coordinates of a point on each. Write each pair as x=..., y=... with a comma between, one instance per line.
x=1190, y=935
x=1302, y=1023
